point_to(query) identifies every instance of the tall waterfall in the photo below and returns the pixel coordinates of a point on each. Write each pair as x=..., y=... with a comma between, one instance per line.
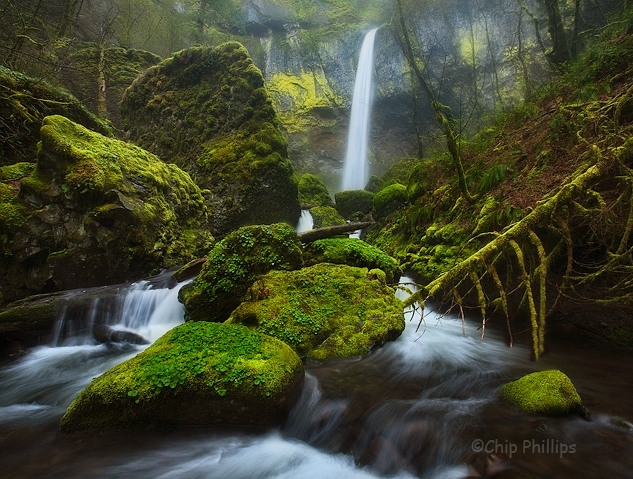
x=355, y=174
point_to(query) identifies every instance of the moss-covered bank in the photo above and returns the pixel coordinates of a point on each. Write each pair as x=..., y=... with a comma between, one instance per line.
x=24, y=102
x=94, y=211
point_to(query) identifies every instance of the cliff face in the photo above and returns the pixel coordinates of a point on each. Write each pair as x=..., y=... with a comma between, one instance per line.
x=311, y=81
x=310, y=65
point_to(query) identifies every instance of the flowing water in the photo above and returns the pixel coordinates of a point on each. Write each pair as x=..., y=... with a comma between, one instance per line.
x=422, y=406
x=306, y=222
x=356, y=166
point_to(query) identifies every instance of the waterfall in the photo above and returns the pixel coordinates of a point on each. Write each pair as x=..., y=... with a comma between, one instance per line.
x=306, y=222
x=355, y=174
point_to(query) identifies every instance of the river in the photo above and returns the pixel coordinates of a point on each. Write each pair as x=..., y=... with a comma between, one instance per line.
x=422, y=406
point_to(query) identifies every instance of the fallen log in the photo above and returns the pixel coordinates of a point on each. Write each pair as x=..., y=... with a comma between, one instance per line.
x=328, y=231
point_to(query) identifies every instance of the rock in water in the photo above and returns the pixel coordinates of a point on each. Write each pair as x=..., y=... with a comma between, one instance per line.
x=232, y=266
x=106, y=334
x=324, y=311
x=199, y=373
x=550, y=393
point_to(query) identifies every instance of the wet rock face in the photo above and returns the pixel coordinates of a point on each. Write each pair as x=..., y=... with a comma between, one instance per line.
x=96, y=211
x=207, y=110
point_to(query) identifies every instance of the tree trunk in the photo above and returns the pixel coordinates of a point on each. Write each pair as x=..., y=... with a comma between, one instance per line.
x=441, y=111
x=330, y=231
x=102, y=107
x=560, y=48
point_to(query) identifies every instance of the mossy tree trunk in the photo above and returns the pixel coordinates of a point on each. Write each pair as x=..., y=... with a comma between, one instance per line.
x=442, y=112
x=560, y=46
x=553, y=248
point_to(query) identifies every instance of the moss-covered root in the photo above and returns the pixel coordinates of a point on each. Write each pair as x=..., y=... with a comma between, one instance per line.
x=549, y=393
x=198, y=373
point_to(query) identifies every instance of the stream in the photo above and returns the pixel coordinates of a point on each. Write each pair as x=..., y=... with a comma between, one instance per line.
x=424, y=406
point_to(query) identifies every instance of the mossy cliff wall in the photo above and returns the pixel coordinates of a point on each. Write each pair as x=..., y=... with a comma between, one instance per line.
x=207, y=110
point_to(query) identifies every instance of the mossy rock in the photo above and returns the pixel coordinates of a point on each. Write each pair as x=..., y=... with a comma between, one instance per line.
x=323, y=216
x=354, y=204
x=389, y=199
x=549, y=393
x=375, y=184
x=207, y=110
x=95, y=211
x=199, y=373
x=400, y=171
x=324, y=311
x=234, y=263
x=353, y=252
x=312, y=191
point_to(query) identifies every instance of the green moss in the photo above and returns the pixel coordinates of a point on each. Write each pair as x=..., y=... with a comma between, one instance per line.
x=324, y=311
x=197, y=373
x=27, y=101
x=234, y=263
x=375, y=184
x=312, y=191
x=207, y=110
x=550, y=393
x=323, y=216
x=123, y=212
x=12, y=213
x=353, y=252
x=400, y=172
x=16, y=171
x=354, y=204
x=389, y=199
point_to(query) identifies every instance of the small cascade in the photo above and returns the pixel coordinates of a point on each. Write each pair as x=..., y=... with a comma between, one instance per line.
x=49, y=377
x=356, y=168
x=119, y=308
x=306, y=222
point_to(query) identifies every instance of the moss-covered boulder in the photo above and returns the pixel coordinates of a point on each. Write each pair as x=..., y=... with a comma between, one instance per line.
x=199, y=373
x=388, y=200
x=375, y=184
x=24, y=103
x=549, y=393
x=323, y=216
x=234, y=263
x=207, y=110
x=354, y=204
x=353, y=252
x=95, y=211
x=312, y=191
x=324, y=311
